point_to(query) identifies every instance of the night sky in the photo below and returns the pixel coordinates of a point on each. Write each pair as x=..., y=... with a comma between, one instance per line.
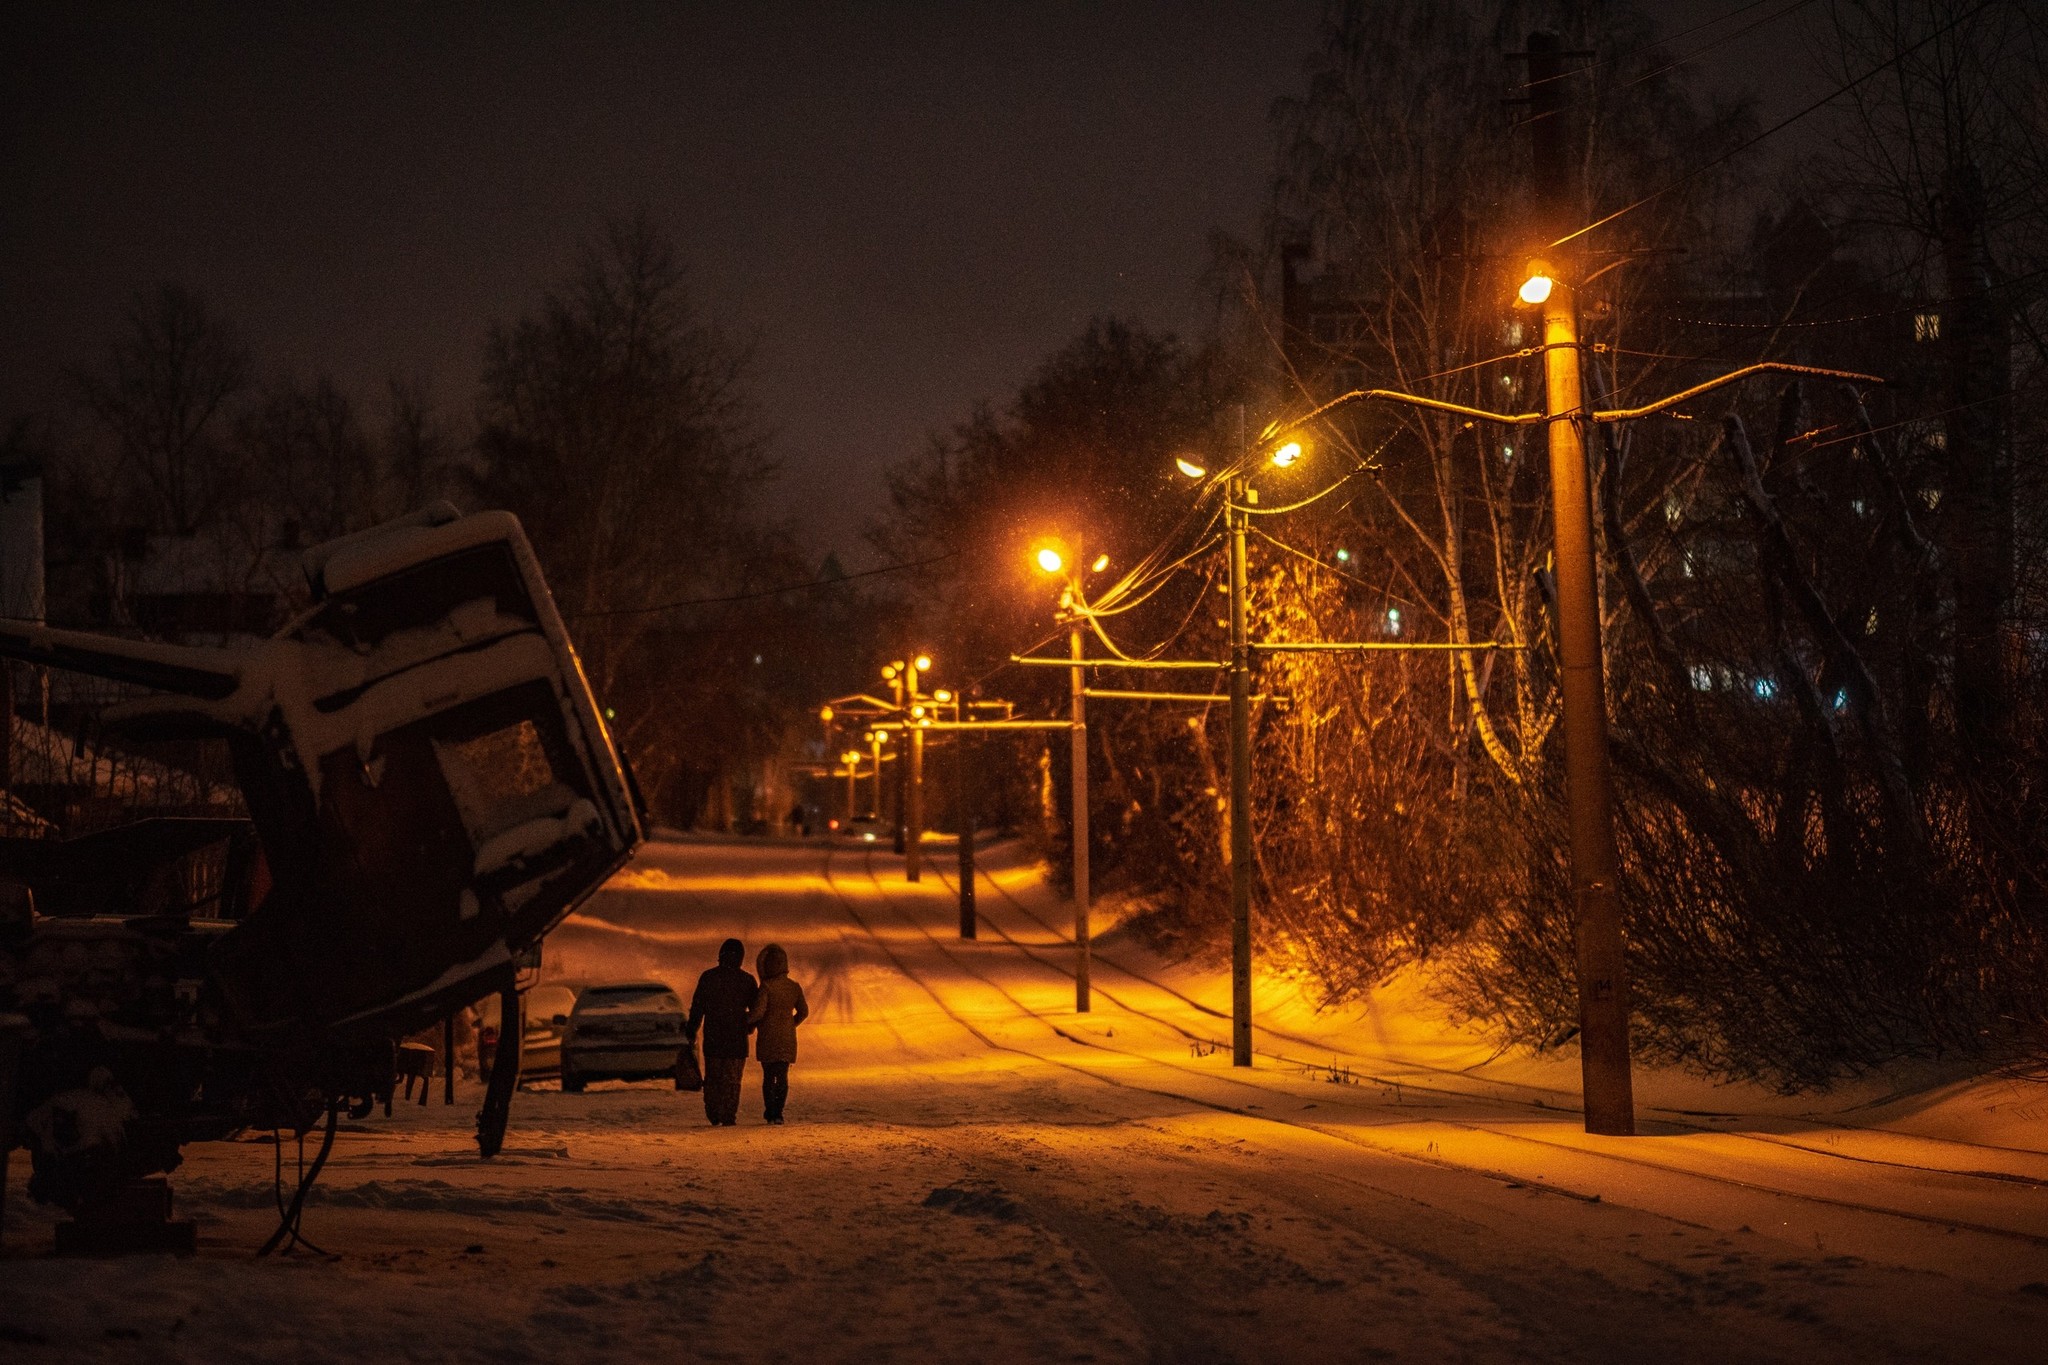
x=909, y=204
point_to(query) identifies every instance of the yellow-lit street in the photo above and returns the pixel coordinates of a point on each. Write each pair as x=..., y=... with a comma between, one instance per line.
x=972, y=1171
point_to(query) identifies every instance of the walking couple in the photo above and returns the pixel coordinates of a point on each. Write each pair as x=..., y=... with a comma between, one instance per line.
x=729, y=1005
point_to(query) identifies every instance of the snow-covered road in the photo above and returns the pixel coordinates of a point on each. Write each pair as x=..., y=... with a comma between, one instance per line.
x=972, y=1171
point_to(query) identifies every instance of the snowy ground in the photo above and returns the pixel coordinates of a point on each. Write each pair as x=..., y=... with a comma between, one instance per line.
x=974, y=1172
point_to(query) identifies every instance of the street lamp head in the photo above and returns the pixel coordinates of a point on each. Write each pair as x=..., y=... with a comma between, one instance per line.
x=1536, y=289
x=889, y=671
x=1285, y=455
x=1101, y=563
x=1189, y=467
x=825, y=714
x=1050, y=560
x=924, y=663
x=850, y=757
x=942, y=696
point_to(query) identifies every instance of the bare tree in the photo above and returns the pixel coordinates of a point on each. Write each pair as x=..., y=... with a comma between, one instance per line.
x=164, y=394
x=616, y=422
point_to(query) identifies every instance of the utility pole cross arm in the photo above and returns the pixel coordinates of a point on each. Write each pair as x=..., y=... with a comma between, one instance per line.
x=1722, y=381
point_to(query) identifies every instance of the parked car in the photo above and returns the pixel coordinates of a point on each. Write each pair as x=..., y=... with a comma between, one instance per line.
x=627, y=1032
x=864, y=829
x=540, y=1055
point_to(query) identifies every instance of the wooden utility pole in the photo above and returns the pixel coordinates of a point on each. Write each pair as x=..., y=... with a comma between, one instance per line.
x=1077, y=823
x=1978, y=517
x=1608, y=1086
x=1236, y=493
x=913, y=825
x=963, y=799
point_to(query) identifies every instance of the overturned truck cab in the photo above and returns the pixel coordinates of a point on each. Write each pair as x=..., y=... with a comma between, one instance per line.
x=430, y=788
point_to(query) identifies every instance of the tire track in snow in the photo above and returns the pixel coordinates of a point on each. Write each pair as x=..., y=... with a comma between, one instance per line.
x=1594, y=1154
x=1570, y=1106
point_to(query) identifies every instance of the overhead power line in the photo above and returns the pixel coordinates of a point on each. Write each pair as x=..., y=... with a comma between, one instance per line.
x=1672, y=65
x=1781, y=124
x=1609, y=60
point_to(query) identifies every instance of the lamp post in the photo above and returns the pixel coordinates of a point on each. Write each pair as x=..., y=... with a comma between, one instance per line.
x=1238, y=498
x=1066, y=560
x=1608, y=1088
x=903, y=675
x=877, y=738
x=851, y=758
x=913, y=824
x=1235, y=493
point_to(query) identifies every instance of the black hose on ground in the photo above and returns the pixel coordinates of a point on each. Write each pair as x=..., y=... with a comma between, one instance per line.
x=288, y=1226
x=497, y=1109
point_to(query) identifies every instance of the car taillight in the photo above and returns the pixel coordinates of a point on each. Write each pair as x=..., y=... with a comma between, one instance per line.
x=832, y=823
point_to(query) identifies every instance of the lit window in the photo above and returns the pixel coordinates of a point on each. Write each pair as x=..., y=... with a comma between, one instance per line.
x=1393, y=620
x=1926, y=326
x=1765, y=688
x=1702, y=678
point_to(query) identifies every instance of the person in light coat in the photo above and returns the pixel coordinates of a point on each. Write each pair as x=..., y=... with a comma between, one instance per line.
x=777, y=1011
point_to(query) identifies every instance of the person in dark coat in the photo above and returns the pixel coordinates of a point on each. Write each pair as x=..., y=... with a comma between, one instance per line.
x=776, y=1012
x=724, y=997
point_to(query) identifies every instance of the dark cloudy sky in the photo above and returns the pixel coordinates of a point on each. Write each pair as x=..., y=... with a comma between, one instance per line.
x=910, y=204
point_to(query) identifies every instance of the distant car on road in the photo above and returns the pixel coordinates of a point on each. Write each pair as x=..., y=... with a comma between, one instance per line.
x=541, y=1053
x=626, y=1032
x=865, y=829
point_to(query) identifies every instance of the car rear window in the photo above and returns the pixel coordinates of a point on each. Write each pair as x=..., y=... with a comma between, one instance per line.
x=627, y=998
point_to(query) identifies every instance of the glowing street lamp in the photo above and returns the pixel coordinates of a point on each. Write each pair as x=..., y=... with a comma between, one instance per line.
x=1189, y=467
